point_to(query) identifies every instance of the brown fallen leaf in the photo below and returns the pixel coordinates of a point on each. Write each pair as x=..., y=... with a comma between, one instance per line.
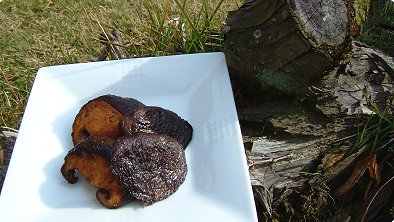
x=375, y=172
x=373, y=168
x=331, y=159
x=374, y=175
x=358, y=171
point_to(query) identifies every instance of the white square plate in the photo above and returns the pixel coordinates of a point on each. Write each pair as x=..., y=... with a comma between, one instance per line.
x=196, y=87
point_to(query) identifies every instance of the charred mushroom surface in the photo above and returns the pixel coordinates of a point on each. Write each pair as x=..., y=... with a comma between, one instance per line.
x=157, y=120
x=122, y=104
x=101, y=117
x=150, y=166
x=92, y=159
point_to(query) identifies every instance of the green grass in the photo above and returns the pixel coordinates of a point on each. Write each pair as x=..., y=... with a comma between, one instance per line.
x=374, y=24
x=185, y=30
x=377, y=128
x=375, y=133
x=41, y=33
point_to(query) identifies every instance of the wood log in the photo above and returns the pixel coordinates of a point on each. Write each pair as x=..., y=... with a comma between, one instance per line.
x=317, y=87
x=283, y=45
x=297, y=150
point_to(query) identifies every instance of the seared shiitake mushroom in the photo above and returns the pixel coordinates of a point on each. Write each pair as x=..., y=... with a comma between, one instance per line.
x=91, y=158
x=101, y=117
x=157, y=120
x=150, y=166
x=128, y=150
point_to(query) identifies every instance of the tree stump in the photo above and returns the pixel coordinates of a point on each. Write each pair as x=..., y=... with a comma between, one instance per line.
x=284, y=45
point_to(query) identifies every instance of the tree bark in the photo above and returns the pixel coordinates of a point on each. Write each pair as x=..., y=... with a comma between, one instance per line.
x=283, y=45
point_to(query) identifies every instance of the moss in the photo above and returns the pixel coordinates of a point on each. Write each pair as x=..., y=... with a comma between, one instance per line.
x=278, y=80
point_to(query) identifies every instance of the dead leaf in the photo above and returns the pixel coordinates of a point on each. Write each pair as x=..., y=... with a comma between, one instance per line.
x=331, y=159
x=373, y=168
x=358, y=170
x=374, y=175
x=375, y=172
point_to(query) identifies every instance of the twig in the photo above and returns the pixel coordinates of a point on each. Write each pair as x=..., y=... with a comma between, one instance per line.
x=269, y=161
x=9, y=129
x=8, y=134
x=113, y=43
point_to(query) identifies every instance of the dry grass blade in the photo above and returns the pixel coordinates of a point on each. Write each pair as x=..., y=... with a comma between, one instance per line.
x=1, y=156
x=113, y=44
x=373, y=198
x=17, y=100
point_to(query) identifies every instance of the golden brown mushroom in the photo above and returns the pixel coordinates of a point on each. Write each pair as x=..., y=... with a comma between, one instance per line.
x=101, y=117
x=92, y=158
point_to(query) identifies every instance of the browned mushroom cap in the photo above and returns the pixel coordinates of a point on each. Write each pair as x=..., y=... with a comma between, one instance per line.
x=91, y=158
x=101, y=117
x=151, y=119
x=150, y=166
